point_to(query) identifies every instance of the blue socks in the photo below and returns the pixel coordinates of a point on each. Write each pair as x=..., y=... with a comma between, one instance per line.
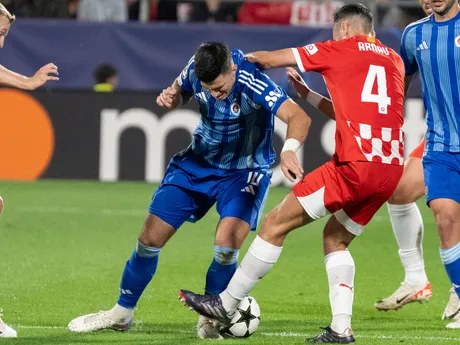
x=451, y=260
x=221, y=271
x=138, y=272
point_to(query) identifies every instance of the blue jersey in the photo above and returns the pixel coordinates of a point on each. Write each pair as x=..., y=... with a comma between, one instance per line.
x=433, y=49
x=236, y=133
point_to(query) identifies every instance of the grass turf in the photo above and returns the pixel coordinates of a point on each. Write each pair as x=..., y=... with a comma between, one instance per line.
x=64, y=245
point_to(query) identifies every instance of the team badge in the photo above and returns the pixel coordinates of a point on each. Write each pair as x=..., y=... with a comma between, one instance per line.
x=457, y=41
x=312, y=49
x=235, y=109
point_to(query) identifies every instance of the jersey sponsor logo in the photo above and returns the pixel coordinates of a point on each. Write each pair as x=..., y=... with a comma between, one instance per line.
x=272, y=98
x=311, y=49
x=457, y=41
x=235, y=109
x=423, y=46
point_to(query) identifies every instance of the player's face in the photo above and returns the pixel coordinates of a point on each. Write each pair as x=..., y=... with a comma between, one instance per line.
x=441, y=7
x=426, y=6
x=4, y=29
x=221, y=87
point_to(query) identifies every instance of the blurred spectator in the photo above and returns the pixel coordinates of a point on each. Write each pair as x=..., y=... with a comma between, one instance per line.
x=265, y=13
x=215, y=11
x=163, y=10
x=103, y=10
x=20, y=8
x=51, y=9
x=317, y=13
x=73, y=8
x=106, y=78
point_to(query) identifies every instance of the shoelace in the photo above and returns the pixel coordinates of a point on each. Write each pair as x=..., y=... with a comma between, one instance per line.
x=213, y=300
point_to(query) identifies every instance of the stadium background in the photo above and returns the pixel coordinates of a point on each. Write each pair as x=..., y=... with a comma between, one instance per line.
x=64, y=242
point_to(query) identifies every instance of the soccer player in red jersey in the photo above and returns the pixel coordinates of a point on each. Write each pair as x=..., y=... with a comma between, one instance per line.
x=9, y=78
x=366, y=83
x=405, y=216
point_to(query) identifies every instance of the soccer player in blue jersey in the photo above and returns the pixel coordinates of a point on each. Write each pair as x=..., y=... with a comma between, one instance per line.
x=227, y=164
x=431, y=46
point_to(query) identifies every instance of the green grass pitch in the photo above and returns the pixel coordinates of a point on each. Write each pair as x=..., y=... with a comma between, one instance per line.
x=64, y=244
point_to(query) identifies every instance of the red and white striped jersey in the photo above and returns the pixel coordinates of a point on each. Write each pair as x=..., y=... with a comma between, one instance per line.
x=365, y=80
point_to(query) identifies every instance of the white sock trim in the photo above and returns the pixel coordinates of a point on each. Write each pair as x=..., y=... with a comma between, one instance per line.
x=339, y=258
x=265, y=251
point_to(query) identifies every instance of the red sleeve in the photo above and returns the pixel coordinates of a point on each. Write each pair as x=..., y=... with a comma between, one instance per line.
x=313, y=57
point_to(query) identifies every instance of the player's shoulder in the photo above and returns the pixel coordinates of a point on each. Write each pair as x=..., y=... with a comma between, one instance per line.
x=411, y=28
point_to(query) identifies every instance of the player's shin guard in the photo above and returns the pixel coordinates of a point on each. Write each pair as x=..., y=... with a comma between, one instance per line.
x=222, y=268
x=407, y=225
x=340, y=269
x=451, y=260
x=259, y=259
x=138, y=272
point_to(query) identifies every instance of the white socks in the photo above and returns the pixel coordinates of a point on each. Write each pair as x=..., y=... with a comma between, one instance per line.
x=340, y=269
x=121, y=314
x=408, y=229
x=259, y=259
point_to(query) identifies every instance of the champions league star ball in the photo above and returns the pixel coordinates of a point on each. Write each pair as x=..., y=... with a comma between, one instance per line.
x=245, y=321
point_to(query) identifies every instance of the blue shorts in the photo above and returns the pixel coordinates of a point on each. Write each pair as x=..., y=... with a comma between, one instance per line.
x=442, y=175
x=190, y=188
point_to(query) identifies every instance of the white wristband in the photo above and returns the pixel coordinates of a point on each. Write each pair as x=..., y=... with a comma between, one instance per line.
x=291, y=144
x=314, y=98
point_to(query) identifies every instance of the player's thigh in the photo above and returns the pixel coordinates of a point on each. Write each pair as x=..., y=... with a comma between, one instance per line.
x=411, y=187
x=242, y=197
x=175, y=205
x=377, y=185
x=231, y=232
x=335, y=236
x=287, y=216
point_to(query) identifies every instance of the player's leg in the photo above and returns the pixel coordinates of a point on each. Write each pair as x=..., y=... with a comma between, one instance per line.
x=171, y=206
x=408, y=229
x=5, y=330
x=309, y=200
x=442, y=172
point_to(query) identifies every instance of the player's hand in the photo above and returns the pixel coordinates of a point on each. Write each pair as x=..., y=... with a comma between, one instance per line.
x=169, y=98
x=44, y=74
x=297, y=81
x=290, y=166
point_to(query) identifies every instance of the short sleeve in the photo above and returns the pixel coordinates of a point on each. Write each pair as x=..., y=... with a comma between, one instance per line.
x=266, y=93
x=408, y=51
x=313, y=57
x=184, y=78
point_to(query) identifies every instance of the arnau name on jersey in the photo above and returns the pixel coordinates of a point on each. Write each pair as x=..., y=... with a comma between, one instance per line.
x=372, y=47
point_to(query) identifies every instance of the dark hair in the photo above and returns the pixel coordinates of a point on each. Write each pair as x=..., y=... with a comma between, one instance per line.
x=211, y=60
x=355, y=10
x=104, y=72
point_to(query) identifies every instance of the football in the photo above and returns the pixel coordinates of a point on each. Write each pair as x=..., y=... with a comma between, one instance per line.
x=245, y=321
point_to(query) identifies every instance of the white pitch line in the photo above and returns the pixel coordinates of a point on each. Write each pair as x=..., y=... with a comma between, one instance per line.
x=278, y=334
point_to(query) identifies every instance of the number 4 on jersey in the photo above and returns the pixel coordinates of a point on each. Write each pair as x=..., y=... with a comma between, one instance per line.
x=381, y=98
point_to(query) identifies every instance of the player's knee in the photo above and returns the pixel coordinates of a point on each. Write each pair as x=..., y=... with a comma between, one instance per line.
x=226, y=255
x=445, y=222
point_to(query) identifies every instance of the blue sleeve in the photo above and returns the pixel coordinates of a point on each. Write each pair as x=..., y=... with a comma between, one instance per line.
x=184, y=78
x=265, y=92
x=408, y=51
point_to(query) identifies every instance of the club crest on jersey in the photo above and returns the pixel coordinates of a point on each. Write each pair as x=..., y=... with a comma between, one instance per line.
x=457, y=41
x=235, y=109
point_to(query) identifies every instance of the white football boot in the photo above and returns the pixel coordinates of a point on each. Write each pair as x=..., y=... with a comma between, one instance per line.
x=117, y=319
x=452, y=311
x=5, y=330
x=208, y=329
x=404, y=295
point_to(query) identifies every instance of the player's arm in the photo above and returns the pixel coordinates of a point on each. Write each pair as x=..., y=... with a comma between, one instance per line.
x=298, y=125
x=408, y=53
x=273, y=59
x=180, y=91
x=13, y=79
x=304, y=92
